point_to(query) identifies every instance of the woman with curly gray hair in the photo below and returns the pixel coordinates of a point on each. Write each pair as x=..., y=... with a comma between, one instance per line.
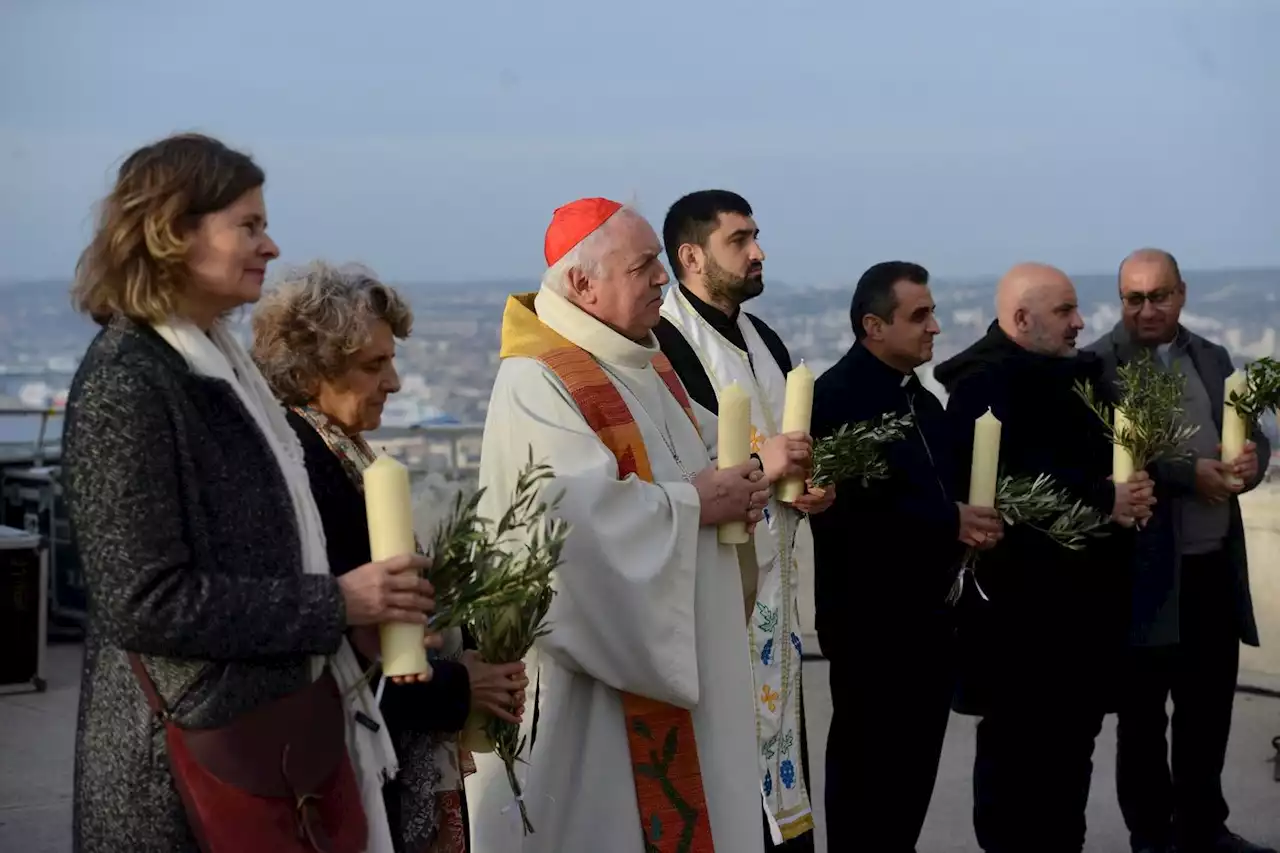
x=325, y=340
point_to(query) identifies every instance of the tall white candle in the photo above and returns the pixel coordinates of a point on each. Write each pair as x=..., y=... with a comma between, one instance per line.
x=1235, y=431
x=389, y=509
x=734, y=447
x=1121, y=460
x=986, y=460
x=797, y=412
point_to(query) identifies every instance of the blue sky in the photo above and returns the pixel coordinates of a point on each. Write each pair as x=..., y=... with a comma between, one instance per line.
x=432, y=140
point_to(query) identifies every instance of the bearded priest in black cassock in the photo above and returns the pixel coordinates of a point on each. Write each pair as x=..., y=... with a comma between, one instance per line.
x=713, y=248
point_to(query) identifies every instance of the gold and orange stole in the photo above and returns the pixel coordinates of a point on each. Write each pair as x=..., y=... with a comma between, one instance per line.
x=664, y=753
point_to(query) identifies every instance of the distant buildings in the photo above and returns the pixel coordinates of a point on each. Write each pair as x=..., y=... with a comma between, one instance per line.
x=447, y=366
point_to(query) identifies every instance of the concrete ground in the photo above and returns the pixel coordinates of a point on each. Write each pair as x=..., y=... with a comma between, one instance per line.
x=37, y=732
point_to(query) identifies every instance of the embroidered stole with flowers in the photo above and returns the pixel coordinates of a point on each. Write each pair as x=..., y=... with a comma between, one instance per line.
x=431, y=765
x=773, y=566
x=664, y=753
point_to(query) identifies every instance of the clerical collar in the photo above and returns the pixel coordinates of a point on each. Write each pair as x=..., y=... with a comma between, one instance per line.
x=881, y=370
x=585, y=331
x=724, y=324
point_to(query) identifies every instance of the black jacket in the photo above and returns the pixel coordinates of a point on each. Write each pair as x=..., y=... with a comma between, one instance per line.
x=1052, y=610
x=884, y=555
x=439, y=705
x=1157, y=577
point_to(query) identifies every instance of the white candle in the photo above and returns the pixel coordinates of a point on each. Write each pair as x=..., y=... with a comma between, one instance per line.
x=734, y=448
x=986, y=460
x=1235, y=432
x=1121, y=460
x=390, y=514
x=796, y=414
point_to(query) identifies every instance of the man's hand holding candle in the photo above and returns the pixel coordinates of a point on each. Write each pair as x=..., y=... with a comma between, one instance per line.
x=1245, y=467
x=1134, y=499
x=816, y=499
x=1213, y=483
x=980, y=527
x=738, y=493
x=787, y=455
x=791, y=455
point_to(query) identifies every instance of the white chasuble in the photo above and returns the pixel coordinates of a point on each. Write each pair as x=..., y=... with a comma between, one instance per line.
x=648, y=602
x=774, y=619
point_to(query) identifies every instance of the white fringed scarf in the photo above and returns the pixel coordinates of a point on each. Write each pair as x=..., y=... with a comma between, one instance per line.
x=218, y=355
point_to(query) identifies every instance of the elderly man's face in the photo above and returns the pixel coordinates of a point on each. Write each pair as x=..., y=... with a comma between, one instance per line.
x=1053, y=318
x=1152, y=296
x=627, y=295
x=354, y=400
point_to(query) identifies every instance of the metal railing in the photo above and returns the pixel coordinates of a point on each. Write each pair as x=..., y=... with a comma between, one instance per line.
x=39, y=447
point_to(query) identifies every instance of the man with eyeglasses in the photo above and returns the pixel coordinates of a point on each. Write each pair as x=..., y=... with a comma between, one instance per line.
x=1191, y=605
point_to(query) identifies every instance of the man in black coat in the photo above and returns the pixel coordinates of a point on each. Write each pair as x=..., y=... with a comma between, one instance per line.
x=885, y=558
x=1034, y=656
x=1191, y=602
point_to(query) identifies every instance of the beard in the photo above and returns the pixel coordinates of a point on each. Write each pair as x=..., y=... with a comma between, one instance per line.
x=1046, y=341
x=734, y=288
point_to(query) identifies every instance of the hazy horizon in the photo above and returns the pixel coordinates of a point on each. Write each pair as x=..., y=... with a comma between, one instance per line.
x=936, y=278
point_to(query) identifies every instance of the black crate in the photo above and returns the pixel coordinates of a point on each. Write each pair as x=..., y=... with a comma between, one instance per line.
x=22, y=604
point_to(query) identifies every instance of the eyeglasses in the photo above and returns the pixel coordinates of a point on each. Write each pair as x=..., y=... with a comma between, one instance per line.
x=1157, y=298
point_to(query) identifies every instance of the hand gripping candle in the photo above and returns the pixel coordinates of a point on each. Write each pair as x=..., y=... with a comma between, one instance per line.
x=734, y=447
x=390, y=513
x=986, y=461
x=1235, y=431
x=1121, y=460
x=796, y=414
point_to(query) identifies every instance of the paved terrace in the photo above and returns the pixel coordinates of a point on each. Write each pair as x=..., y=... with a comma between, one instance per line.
x=37, y=733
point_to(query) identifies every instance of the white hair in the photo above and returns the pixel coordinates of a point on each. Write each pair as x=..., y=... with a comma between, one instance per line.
x=586, y=257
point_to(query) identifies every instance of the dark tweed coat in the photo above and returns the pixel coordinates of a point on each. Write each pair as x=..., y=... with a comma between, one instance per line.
x=187, y=537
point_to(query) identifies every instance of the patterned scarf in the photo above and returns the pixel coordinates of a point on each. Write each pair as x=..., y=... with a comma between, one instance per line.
x=432, y=765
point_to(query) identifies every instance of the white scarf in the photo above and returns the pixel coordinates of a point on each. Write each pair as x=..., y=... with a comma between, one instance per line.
x=218, y=355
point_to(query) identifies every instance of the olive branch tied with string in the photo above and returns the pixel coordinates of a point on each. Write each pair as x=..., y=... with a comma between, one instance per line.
x=1038, y=503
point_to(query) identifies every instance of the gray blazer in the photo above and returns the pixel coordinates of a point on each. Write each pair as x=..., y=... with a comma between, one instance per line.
x=187, y=537
x=1158, y=572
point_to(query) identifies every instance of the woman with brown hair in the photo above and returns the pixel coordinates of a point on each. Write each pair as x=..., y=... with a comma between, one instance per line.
x=216, y=633
x=325, y=339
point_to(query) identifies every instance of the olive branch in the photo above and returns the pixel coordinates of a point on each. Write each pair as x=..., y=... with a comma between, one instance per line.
x=1263, y=390
x=507, y=627
x=1151, y=400
x=1033, y=501
x=854, y=452
x=1038, y=503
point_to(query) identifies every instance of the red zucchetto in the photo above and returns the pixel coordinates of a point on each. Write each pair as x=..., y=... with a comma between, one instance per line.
x=571, y=224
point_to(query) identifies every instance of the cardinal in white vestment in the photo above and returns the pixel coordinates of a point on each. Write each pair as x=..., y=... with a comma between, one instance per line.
x=712, y=245
x=645, y=735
